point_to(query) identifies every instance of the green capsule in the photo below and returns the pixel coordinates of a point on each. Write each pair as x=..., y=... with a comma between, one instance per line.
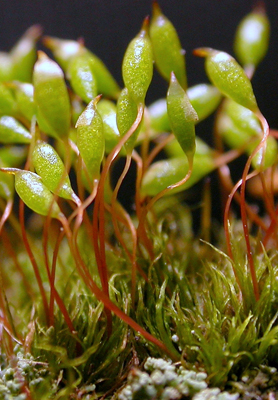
x=90, y=138
x=34, y=193
x=242, y=118
x=244, y=131
x=50, y=168
x=63, y=49
x=77, y=107
x=174, y=150
x=159, y=119
x=267, y=156
x=81, y=76
x=252, y=38
x=137, y=65
x=12, y=131
x=23, y=54
x=5, y=67
x=108, y=113
x=182, y=117
x=162, y=174
x=106, y=84
x=51, y=97
x=228, y=76
x=204, y=99
x=24, y=94
x=168, y=53
x=126, y=115
x=7, y=101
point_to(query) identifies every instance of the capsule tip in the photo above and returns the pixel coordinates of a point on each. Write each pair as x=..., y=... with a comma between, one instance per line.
x=202, y=51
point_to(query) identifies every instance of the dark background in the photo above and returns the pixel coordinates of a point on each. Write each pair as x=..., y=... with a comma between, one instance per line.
x=107, y=27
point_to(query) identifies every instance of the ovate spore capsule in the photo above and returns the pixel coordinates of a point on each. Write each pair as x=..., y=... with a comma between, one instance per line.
x=137, y=65
x=51, y=97
x=90, y=138
x=51, y=169
x=182, y=117
x=168, y=53
x=228, y=76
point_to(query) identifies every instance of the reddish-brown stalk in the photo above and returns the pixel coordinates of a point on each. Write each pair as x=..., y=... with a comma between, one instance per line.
x=99, y=207
x=6, y=213
x=243, y=204
x=10, y=250
x=226, y=222
x=33, y=261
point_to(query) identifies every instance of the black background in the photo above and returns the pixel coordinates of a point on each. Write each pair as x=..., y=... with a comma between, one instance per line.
x=107, y=26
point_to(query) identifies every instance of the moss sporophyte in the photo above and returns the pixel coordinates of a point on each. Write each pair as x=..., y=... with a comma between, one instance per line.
x=89, y=289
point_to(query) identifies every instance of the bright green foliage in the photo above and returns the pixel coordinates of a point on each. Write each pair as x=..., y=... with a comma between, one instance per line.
x=51, y=97
x=34, y=193
x=252, y=38
x=227, y=75
x=81, y=76
x=90, y=138
x=12, y=131
x=168, y=53
x=51, y=169
x=137, y=67
x=126, y=115
x=182, y=117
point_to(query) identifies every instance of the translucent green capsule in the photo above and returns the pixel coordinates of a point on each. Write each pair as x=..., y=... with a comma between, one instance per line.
x=23, y=54
x=90, y=138
x=81, y=76
x=168, y=53
x=106, y=84
x=108, y=113
x=252, y=38
x=242, y=118
x=7, y=101
x=65, y=50
x=162, y=174
x=62, y=49
x=182, y=117
x=204, y=99
x=126, y=115
x=5, y=67
x=267, y=156
x=50, y=168
x=159, y=119
x=24, y=94
x=137, y=65
x=228, y=76
x=12, y=131
x=51, y=97
x=239, y=133
x=174, y=150
x=34, y=193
